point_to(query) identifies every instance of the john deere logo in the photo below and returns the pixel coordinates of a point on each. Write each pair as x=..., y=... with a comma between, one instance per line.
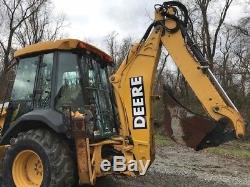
x=138, y=103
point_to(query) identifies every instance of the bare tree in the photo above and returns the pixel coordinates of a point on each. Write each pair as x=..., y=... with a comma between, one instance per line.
x=118, y=50
x=224, y=64
x=112, y=45
x=244, y=26
x=14, y=14
x=123, y=49
x=42, y=25
x=208, y=37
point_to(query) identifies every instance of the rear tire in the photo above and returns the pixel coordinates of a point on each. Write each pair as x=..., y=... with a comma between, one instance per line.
x=58, y=167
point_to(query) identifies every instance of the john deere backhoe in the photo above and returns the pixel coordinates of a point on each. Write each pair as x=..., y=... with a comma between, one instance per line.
x=66, y=120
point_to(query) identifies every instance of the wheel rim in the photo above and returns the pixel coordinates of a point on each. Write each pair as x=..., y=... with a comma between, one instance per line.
x=27, y=169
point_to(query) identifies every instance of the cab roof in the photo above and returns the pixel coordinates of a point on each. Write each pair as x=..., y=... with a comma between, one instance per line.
x=65, y=44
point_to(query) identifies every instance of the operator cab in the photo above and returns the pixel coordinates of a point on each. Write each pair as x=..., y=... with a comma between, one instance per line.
x=53, y=78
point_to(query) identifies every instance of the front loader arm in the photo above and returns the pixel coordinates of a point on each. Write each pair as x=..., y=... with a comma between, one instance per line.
x=133, y=81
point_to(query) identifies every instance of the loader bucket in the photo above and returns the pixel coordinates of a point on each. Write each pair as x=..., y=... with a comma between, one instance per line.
x=190, y=129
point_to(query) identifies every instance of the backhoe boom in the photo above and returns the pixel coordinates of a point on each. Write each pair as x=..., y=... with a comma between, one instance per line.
x=133, y=82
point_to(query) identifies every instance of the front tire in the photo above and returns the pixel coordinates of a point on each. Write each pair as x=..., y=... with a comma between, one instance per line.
x=38, y=158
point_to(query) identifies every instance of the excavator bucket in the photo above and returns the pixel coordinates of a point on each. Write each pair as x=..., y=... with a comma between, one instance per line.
x=190, y=129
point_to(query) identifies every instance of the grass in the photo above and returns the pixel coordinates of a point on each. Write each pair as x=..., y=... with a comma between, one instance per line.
x=162, y=140
x=233, y=152
x=238, y=149
x=235, y=149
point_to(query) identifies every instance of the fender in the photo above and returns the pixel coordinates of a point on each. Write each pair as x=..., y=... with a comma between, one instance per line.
x=36, y=119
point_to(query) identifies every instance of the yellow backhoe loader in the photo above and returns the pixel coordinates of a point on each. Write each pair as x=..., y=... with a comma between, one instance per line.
x=68, y=123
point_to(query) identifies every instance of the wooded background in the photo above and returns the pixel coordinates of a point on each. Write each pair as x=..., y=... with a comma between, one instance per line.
x=225, y=45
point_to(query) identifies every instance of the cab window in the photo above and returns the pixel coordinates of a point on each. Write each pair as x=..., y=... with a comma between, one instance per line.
x=25, y=79
x=69, y=91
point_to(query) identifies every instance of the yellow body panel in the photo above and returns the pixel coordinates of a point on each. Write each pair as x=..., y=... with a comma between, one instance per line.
x=142, y=62
x=65, y=44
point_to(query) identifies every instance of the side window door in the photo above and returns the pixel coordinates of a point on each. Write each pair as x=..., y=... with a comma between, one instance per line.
x=22, y=96
x=44, y=82
x=25, y=79
x=97, y=95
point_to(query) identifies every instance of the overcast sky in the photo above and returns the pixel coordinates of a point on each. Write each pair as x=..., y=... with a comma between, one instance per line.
x=92, y=20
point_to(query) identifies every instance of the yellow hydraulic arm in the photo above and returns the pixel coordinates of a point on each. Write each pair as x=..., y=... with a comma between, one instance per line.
x=133, y=81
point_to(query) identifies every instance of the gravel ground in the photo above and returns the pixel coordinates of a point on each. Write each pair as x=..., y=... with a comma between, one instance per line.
x=176, y=165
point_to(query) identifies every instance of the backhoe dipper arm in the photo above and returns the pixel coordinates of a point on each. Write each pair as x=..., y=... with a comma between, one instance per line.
x=133, y=81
